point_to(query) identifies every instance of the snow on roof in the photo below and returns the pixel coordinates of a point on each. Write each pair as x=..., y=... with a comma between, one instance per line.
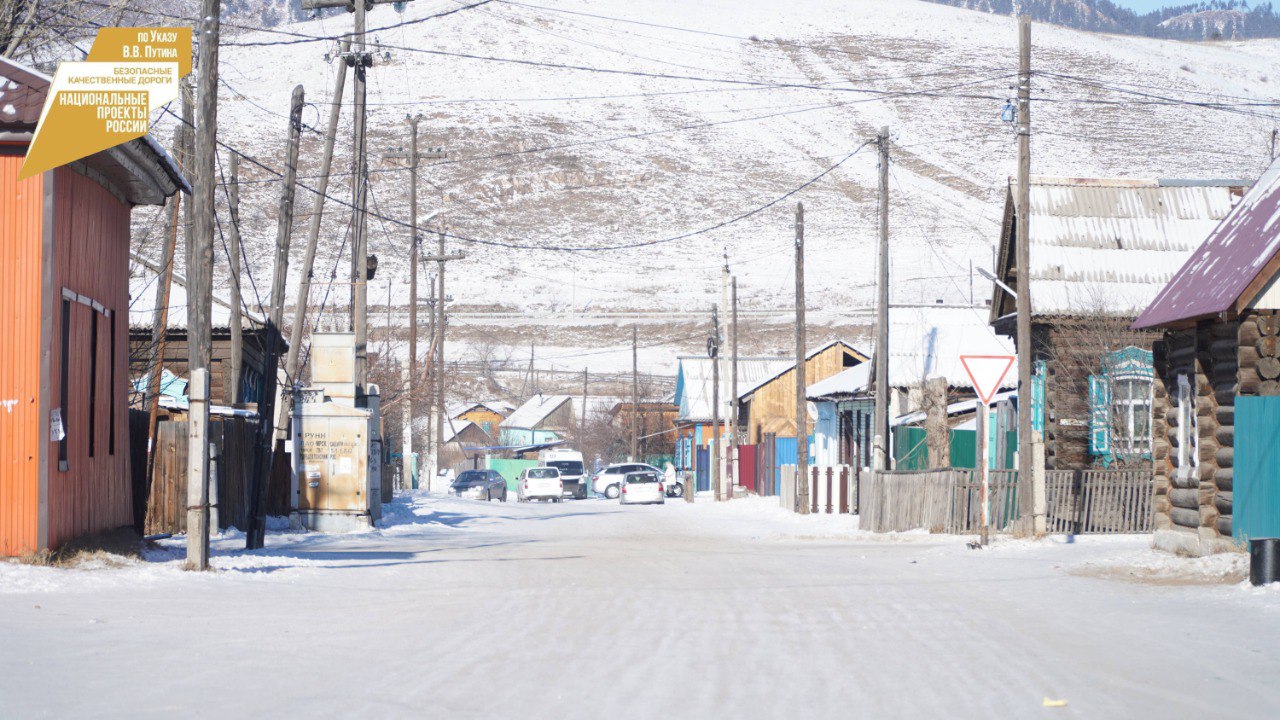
x=925, y=341
x=501, y=407
x=694, y=388
x=534, y=411
x=808, y=356
x=595, y=405
x=1223, y=267
x=955, y=408
x=453, y=430
x=144, y=285
x=1112, y=244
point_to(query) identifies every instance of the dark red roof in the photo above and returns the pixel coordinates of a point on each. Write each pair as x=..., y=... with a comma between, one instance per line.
x=1220, y=270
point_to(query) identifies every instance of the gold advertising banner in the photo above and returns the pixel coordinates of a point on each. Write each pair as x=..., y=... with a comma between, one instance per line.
x=108, y=99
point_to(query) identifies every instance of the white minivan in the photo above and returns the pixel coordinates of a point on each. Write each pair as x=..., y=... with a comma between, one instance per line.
x=642, y=488
x=539, y=483
x=572, y=471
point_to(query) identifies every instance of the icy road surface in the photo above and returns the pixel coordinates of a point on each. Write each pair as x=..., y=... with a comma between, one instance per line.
x=459, y=609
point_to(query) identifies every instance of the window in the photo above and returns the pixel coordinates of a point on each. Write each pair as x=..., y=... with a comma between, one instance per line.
x=1131, y=415
x=1188, y=428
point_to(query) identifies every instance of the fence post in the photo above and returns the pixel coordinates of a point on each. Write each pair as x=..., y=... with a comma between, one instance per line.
x=830, y=472
x=844, y=489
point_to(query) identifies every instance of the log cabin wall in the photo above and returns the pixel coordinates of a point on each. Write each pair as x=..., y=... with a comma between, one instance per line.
x=1194, y=508
x=1073, y=349
x=176, y=358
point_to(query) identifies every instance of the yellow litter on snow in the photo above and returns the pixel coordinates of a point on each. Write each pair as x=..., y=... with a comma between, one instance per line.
x=1054, y=703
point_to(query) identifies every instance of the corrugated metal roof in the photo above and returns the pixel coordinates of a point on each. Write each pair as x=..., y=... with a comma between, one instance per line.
x=1219, y=271
x=534, y=411
x=1112, y=244
x=144, y=285
x=694, y=387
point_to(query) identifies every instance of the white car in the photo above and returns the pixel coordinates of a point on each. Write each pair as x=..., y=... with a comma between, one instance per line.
x=539, y=483
x=608, y=482
x=642, y=488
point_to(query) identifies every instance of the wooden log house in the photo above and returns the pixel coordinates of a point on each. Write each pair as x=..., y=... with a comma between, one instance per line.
x=1100, y=250
x=1218, y=364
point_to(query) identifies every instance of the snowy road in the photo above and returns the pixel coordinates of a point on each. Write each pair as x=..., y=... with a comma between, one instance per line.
x=591, y=610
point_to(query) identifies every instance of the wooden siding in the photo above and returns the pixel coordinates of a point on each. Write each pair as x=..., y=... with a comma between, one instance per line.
x=480, y=416
x=90, y=257
x=176, y=358
x=21, y=210
x=772, y=408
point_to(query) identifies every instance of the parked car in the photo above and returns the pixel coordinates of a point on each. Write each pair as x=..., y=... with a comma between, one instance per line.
x=445, y=477
x=643, y=487
x=573, y=473
x=480, y=485
x=539, y=483
x=608, y=482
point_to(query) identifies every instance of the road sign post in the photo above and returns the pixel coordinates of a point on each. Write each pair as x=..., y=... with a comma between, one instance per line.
x=987, y=372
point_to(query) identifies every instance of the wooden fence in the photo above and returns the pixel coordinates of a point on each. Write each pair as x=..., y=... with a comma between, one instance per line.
x=232, y=463
x=1096, y=502
x=949, y=500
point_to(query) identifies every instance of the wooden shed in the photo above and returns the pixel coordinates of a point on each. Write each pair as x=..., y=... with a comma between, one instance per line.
x=64, y=244
x=1217, y=449
x=770, y=406
x=1100, y=250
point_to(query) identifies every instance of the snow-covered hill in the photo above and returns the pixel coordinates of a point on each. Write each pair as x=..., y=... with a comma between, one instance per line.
x=579, y=130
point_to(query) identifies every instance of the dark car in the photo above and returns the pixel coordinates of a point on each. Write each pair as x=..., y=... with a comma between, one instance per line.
x=481, y=485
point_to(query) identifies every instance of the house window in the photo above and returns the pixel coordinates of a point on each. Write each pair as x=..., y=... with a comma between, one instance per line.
x=1131, y=415
x=1188, y=430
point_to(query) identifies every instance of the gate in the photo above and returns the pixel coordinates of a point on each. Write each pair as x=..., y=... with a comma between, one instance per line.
x=1255, y=497
x=703, y=469
x=747, y=467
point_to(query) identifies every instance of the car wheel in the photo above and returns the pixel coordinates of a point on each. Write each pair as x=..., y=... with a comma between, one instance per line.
x=504, y=496
x=612, y=492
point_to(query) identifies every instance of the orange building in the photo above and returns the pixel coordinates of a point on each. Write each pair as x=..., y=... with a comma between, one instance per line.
x=64, y=331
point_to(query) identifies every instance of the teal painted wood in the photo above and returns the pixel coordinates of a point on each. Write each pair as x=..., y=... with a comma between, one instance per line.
x=1256, y=483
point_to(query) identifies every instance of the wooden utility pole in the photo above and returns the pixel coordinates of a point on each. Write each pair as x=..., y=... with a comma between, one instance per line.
x=1027, y=490
x=582, y=421
x=317, y=214
x=265, y=455
x=802, y=407
x=438, y=365
x=233, y=261
x=733, y=382
x=713, y=348
x=635, y=395
x=880, y=433
x=160, y=320
x=361, y=62
x=727, y=396
x=200, y=286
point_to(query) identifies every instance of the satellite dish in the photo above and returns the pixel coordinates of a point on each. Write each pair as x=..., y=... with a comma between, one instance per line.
x=812, y=407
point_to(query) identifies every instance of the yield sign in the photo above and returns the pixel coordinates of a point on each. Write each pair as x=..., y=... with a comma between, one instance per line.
x=987, y=372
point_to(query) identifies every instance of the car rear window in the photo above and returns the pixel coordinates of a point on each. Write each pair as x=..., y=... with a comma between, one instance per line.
x=644, y=477
x=567, y=467
x=543, y=473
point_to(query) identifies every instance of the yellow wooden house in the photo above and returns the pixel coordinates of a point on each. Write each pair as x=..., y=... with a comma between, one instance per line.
x=770, y=406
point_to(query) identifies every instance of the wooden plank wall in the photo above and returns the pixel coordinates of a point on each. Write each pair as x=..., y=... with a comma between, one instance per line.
x=233, y=440
x=21, y=227
x=773, y=407
x=91, y=257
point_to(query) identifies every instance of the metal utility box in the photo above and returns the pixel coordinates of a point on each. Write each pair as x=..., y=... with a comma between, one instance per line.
x=332, y=488
x=333, y=365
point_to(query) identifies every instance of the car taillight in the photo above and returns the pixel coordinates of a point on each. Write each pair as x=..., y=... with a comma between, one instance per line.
x=660, y=488
x=624, y=489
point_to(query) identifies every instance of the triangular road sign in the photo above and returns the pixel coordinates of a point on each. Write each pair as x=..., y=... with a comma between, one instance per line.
x=987, y=373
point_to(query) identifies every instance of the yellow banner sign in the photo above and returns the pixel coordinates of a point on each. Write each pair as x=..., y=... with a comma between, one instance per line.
x=108, y=99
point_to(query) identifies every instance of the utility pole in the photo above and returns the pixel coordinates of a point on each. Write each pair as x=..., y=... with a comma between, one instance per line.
x=233, y=260
x=1029, y=493
x=726, y=396
x=200, y=287
x=317, y=213
x=160, y=321
x=265, y=455
x=1275, y=133
x=362, y=61
x=880, y=433
x=582, y=421
x=441, y=298
x=415, y=243
x=635, y=395
x=733, y=383
x=802, y=403
x=713, y=349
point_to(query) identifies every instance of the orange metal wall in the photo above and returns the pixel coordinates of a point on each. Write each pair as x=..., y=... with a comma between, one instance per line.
x=91, y=257
x=21, y=205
